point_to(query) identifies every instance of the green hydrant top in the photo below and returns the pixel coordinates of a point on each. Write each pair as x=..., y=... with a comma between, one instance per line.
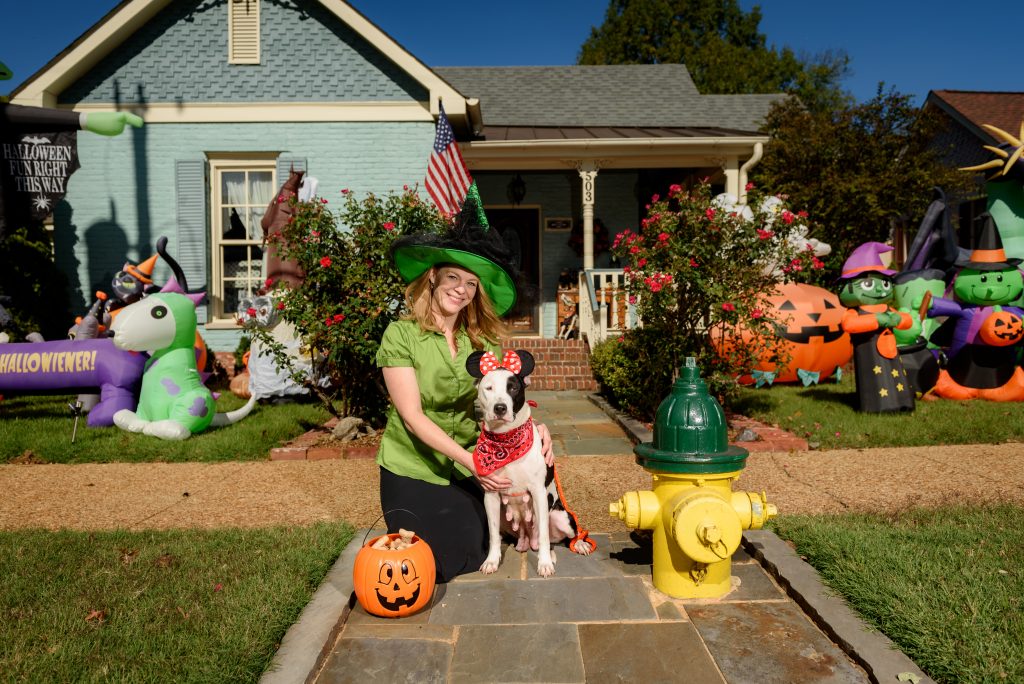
x=690, y=432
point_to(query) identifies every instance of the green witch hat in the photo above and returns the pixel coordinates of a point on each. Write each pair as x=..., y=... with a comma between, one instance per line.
x=469, y=243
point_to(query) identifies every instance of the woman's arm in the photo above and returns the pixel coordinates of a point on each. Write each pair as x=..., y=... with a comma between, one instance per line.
x=405, y=393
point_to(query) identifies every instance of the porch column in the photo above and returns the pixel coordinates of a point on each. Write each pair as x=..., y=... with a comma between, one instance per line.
x=732, y=176
x=588, y=174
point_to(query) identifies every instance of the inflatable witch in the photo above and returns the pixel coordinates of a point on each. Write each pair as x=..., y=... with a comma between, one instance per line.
x=882, y=384
x=982, y=332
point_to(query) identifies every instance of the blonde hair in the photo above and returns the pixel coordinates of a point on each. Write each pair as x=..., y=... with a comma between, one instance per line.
x=479, y=318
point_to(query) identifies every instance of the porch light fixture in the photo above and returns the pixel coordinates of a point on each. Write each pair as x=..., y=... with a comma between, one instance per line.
x=516, y=189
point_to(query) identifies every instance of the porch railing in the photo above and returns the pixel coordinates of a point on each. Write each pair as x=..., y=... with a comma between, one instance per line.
x=605, y=310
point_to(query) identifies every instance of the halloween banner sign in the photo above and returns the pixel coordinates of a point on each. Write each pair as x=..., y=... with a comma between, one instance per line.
x=34, y=172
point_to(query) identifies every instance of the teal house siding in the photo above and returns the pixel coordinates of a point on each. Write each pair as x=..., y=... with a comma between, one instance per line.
x=125, y=197
x=306, y=55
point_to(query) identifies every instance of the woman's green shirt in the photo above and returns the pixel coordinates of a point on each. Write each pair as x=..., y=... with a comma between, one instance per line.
x=447, y=394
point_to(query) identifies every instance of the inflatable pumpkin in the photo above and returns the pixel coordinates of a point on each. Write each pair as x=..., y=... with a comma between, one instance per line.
x=394, y=584
x=809, y=322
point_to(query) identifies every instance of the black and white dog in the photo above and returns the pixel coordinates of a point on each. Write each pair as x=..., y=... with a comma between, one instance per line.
x=509, y=444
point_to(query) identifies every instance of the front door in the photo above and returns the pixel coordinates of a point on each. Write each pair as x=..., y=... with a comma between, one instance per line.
x=520, y=228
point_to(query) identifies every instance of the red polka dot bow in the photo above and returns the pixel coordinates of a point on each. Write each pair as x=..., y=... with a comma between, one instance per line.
x=509, y=361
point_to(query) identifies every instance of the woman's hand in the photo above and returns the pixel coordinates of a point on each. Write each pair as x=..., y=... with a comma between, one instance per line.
x=491, y=482
x=545, y=444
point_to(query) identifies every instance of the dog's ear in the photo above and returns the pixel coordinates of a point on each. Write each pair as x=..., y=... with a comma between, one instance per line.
x=527, y=360
x=473, y=364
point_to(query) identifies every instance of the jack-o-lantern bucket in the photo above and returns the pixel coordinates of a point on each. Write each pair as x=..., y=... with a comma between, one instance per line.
x=1001, y=329
x=394, y=584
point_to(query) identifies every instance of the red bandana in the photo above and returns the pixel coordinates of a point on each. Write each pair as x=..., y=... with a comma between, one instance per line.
x=496, y=450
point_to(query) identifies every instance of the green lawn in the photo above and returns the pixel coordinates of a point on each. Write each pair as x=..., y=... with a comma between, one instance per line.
x=180, y=606
x=43, y=425
x=947, y=585
x=824, y=414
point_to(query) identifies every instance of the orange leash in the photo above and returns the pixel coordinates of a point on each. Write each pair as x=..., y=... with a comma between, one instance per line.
x=581, y=534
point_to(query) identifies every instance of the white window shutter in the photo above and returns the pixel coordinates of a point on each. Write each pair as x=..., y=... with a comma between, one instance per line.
x=244, y=31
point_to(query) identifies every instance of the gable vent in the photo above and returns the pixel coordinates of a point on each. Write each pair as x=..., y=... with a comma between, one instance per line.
x=244, y=31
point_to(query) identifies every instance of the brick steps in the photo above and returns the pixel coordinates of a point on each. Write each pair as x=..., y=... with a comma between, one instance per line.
x=561, y=364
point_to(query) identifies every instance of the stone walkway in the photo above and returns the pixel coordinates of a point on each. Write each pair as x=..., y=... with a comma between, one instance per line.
x=599, y=619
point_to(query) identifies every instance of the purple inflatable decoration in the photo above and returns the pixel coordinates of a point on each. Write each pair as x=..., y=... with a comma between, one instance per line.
x=75, y=365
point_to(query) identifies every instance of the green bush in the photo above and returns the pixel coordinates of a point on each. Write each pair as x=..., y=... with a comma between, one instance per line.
x=29, y=277
x=351, y=292
x=631, y=372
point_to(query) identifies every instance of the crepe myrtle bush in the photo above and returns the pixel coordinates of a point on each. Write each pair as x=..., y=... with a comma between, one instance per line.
x=696, y=270
x=350, y=293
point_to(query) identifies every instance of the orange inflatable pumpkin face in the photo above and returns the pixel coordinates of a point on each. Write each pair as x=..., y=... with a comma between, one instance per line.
x=394, y=583
x=1001, y=329
x=810, y=320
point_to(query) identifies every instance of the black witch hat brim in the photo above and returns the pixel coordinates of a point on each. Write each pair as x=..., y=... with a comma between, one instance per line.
x=988, y=254
x=414, y=260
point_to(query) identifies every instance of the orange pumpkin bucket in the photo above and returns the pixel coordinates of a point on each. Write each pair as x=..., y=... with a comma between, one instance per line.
x=394, y=583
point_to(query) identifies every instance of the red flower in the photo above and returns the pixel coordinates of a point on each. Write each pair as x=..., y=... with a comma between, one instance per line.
x=674, y=190
x=268, y=282
x=749, y=187
x=280, y=306
x=388, y=225
x=693, y=263
x=338, y=318
x=328, y=322
x=817, y=263
x=323, y=200
x=802, y=214
x=251, y=311
x=709, y=212
x=728, y=306
x=655, y=197
x=626, y=269
x=325, y=262
x=787, y=216
x=634, y=249
x=344, y=191
x=756, y=313
x=764, y=234
x=663, y=237
x=641, y=263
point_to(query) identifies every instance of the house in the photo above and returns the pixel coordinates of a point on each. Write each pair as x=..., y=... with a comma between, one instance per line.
x=962, y=142
x=234, y=93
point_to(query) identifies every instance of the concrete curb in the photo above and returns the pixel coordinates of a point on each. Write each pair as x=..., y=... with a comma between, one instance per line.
x=869, y=648
x=309, y=641
x=634, y=429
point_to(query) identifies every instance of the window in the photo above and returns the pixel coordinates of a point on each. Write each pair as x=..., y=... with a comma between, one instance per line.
x=243, y=31
x=242, y=189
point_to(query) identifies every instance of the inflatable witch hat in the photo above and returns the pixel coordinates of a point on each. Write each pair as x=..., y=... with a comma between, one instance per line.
x=867, y=260
x=988, y=253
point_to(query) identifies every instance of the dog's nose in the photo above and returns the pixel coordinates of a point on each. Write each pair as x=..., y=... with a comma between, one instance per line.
x=500, y=409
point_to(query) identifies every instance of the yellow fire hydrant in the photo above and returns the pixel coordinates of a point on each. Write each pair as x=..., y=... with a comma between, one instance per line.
x=697, y=519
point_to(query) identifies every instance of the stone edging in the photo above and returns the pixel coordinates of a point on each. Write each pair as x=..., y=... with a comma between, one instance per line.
x=309, y=447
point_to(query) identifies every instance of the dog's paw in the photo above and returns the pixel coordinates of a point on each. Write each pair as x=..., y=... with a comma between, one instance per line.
x=546, y=569
x=489, y=567
x=583, y=548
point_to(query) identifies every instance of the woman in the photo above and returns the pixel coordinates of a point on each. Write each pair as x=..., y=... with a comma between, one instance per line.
x=461, y=283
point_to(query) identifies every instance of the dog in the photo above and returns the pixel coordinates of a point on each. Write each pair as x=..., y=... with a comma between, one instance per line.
x=531, y=509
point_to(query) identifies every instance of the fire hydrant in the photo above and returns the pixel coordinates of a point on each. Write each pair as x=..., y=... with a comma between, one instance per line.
x=697, y=519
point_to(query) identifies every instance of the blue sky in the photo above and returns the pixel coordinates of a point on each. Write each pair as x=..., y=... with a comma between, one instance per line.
x=913, y=45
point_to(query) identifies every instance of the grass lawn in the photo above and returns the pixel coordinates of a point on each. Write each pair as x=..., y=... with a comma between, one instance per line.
x=947, y=585
x=43, y=425
x=825, y=414
x=177, y=606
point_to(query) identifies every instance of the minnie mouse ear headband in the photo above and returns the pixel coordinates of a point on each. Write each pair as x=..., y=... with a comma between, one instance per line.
x=466, y=244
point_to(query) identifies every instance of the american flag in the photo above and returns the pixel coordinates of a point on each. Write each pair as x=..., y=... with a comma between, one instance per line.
x=448, y=179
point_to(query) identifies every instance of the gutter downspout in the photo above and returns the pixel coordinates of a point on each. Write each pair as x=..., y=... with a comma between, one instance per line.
x=475, y=116
x=747, y=165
